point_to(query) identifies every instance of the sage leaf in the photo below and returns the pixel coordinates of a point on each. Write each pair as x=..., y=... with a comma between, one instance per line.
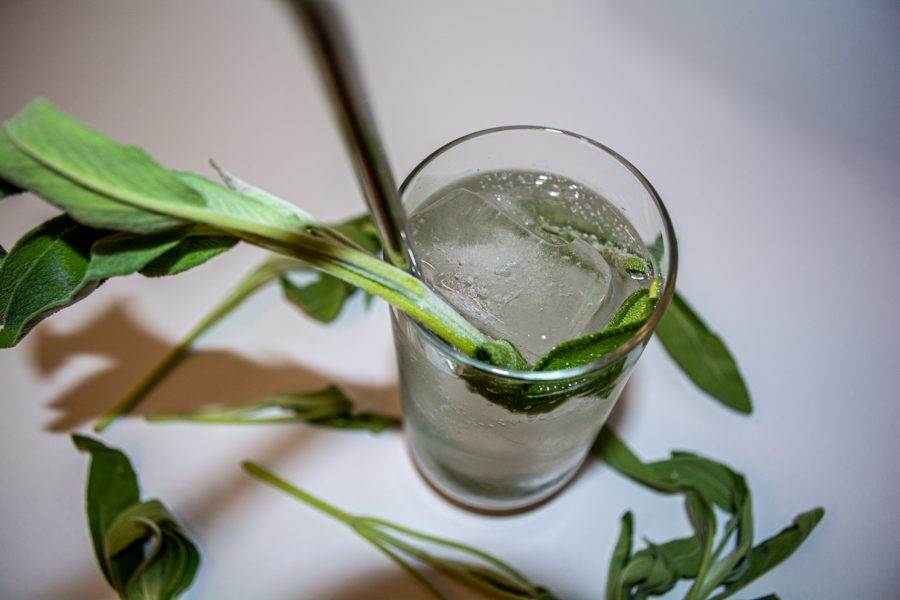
x=620, y=557
x=637, y=266
x=85, y=173
x=328, y=407
x=629, y=317
x=635, y=309
x=190, y=252
x=263, y=197
x=2, y=256
x=322, y=299
x=702, y=355
x=773, y=551
x=650, y=572
x=61, y=262
x=44, y=272
x=170, y=559
x=500, y=353
x=227, y=207
x=362, y=232
x=164, y=253
x=583, y=350
x=142, y=551
x=703, y=520
x=487, y=573
x=112, y=487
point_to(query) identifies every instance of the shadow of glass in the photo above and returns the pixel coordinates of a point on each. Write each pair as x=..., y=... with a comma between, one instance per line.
x=203, y=378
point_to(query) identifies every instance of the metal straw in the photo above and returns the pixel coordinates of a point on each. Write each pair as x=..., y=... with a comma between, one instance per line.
x=338, y=69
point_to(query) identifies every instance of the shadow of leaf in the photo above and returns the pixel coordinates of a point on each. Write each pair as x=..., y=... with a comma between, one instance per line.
x=204, y=378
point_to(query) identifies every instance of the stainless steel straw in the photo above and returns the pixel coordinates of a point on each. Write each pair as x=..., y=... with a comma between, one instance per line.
x=338, y=68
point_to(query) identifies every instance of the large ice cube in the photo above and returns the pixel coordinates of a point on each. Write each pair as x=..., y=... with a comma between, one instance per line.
x=513, y=281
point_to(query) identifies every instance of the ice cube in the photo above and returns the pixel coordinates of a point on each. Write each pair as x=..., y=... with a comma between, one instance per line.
x=533, y=289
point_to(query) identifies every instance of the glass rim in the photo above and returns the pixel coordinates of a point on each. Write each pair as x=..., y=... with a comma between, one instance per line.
x=636, y=338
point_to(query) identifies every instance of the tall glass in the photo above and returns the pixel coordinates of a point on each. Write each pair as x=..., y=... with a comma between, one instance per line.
x=500, y=440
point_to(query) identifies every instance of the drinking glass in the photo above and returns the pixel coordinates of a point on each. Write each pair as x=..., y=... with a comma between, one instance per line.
x=499, y=440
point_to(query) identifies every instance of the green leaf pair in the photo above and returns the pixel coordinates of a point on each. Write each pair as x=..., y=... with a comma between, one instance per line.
x=142, y=551
x=328, y=407
x=477, y=569
x=717, y=569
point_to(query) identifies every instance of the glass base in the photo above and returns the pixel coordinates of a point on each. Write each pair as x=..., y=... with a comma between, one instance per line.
x=477, y=496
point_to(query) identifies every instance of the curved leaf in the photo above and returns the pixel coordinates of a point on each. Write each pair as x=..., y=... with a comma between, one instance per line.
x=321, y=299
x=169, y=559
x=620, y=558
x=191, y=251
x=112, y=487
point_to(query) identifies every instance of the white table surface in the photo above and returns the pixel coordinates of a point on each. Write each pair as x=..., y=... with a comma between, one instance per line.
x=772, y=132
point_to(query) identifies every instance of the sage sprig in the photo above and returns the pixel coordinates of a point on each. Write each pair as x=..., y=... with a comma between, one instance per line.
x=716, y=569
x=104, y=186
x=478, y=570
x=328, y=407
x=142, y=551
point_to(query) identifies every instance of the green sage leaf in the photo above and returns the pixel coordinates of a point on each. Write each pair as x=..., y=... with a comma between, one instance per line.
x=702, y=355
x=143, y=553
x=583, y=350
x=322, y=299
x=192, y=251
x=112, y=487
x=104, y=184
x=502, y=354
x=170, y=559
x=163, y=253
x=61, y=262
x=362, y=232
x=650, y=572
x=703, y=520
x=773, y=551
x=44, y=272
x=264, y=198
x=621, y=556
x=86, y=173
x=260, y=209
x=630, y=317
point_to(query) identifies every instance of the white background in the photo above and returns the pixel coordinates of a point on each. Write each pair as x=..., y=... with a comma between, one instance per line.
x=771, y=130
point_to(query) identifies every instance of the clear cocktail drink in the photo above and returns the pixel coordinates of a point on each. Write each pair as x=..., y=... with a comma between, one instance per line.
x=532, y=252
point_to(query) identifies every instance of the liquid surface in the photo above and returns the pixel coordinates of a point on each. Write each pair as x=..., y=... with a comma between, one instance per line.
x=530, y=257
